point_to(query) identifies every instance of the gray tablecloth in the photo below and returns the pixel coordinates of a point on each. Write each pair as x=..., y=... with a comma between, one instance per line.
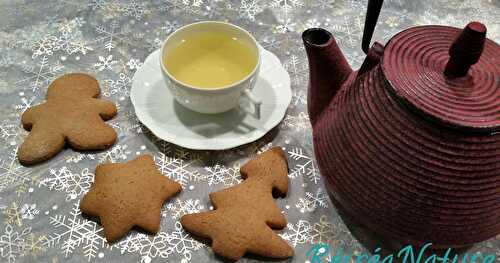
x=41, y=40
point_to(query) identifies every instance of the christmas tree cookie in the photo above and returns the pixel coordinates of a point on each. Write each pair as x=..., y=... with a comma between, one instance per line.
x=244, y=215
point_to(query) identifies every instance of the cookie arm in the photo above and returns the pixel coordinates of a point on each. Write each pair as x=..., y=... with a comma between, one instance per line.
x=29, y=116
x=41, y=144
x=107, y=109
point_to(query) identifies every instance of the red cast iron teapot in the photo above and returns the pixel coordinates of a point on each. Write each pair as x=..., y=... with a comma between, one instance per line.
x=410, y=143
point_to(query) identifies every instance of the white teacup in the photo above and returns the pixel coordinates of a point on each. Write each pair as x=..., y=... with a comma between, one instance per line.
x=213, y=100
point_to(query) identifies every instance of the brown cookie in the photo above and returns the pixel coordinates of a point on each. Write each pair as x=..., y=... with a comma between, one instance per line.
x=71, y=114
x=128, y=194
x=245, y=214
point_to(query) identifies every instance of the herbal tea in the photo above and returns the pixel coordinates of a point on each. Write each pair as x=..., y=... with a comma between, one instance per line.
x=210, y=60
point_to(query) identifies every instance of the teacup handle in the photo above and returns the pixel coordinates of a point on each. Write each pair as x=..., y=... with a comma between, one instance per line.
x=256, y=102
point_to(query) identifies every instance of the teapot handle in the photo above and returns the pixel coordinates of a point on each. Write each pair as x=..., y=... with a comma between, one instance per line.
x=372, y=12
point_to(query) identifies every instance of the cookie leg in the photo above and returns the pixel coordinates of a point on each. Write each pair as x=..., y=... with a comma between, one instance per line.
x=114, y=227
x=41, y=144
x=91, y=136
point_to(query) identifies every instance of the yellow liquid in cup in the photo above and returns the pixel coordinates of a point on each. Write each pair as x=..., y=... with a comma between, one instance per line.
x=210, y=60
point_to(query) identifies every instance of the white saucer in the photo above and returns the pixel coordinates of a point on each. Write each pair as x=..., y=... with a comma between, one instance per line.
x=156, y=108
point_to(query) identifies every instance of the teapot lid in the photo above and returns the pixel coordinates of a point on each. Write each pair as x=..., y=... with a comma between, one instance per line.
x=447, y=74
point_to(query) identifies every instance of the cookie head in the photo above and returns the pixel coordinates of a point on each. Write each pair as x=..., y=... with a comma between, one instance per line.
x=74, y=85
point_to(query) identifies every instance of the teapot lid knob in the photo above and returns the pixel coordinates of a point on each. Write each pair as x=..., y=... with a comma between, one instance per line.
x=465, y=50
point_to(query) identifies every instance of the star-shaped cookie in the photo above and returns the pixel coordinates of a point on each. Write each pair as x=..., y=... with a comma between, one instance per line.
x=128, y=194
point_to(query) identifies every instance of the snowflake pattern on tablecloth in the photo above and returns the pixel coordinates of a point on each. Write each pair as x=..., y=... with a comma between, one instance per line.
x=40, y=75
x=108, y=35
x=298, y=69
x=9, y=131
x=303, y=165
x=305, y=232
x=24, y=103
x=15, y=244
x=74, y=232
x=74, y=184
x=105, y=63
x=121, y=86
x=133, y=9
x=29, y=211
x=250, y=8
x=12, y=215
x=66, y=40
x=299, y=122
x=148, y=247
x=311, y=201
x=178, y=208
x=177, y=169
x=117, y=153
x=298, y=233
x=111, y=39
x=183, y=6
x=13, y=173
x=219, y=174
x=180, y=242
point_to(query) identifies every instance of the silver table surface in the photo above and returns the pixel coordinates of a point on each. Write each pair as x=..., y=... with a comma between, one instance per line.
x=40, y=40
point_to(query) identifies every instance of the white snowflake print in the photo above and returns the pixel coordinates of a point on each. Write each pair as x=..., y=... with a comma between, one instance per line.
x=24, y=105
x=183, y=6
x=219, y=174
x=67, y=41
x=305, y=232
x=161, y=245
x=299, y=97
x=120, y=86
x=298, y=68
x=79, y=156
x=249, y=8
x=283, y=9
x=298, y=233
x=73, y=231
x=177, y=169
x=303, y=165
x=148, y=247
x=40, y=75
x=105, y=63
x=12, y=215
x=73, y=184
x=134, y=9
x=116, y=154
x=9, y=131
x=11, y=171
x=299, y=122
x=29, y=211
x=179, y=208
x=180, y=242
x=153, y=44
x=169, y=26
x=350, y=32
x=109, y=35
x=97, y=4
x=15, y=244
x=311, y=201
x=134, y=64
x=322, y=231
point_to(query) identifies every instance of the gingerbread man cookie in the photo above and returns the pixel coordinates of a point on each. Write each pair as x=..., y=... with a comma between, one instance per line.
x=72, y=114
x=128, y=194
x=244, y=215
